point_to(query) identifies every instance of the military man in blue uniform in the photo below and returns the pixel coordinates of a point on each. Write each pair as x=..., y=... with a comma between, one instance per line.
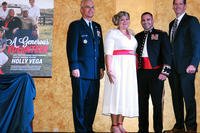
x=86, y=63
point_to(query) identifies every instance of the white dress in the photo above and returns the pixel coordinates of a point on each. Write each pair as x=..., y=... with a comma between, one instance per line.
x=122, y=96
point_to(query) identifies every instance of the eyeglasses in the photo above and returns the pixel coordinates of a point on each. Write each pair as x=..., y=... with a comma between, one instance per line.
x=88, y=7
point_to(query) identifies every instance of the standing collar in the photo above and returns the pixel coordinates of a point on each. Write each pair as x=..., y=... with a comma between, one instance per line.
x=149, y=31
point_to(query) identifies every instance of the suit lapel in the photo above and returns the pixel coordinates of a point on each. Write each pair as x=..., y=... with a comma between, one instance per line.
x=170, y=28
x=86, y=27
x=181, y=25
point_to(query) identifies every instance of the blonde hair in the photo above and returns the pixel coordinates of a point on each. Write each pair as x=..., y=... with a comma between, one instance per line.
x=116, y=18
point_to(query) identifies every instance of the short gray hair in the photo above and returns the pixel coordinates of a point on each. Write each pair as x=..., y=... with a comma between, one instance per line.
x=83, y=1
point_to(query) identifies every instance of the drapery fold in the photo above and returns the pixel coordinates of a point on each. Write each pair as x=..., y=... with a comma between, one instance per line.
x=17, y=92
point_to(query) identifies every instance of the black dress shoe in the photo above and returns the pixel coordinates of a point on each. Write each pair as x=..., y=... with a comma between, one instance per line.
x=175, y=130
x=191, y=131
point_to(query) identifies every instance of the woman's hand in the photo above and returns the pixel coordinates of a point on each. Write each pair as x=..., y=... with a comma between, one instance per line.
x=5, y=28
x=111, y=77
x=15, y=30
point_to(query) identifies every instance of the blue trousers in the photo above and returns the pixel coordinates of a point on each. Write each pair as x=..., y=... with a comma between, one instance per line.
x=183, y=93
x=84, y=103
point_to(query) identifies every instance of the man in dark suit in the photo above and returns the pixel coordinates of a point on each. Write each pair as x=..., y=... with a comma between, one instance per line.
x=86, y=63
x=153, y=68
x=184, y=35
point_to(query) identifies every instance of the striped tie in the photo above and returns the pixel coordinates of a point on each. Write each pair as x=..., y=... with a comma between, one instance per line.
x=174, y=28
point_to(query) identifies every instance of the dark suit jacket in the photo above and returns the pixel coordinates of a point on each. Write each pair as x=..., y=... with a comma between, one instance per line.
x=13, y=23
x=158, y=47
x=186, y=45
x=85, y=51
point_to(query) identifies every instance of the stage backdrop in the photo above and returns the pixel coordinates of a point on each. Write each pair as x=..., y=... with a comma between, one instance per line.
x=53, y=109
x=29, y=41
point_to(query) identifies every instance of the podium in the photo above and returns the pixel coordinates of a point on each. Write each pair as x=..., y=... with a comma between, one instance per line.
x=17, y=93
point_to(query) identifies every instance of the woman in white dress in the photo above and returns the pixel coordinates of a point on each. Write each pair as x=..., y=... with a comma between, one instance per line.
x=120, y=93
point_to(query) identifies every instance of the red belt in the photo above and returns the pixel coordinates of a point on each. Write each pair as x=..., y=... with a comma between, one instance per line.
x=147, y=64
x=124, y=52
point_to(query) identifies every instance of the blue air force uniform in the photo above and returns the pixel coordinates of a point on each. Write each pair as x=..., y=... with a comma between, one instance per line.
x=85, y=52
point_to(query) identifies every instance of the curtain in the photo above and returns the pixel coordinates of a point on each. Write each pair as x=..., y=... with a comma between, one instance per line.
x=17, y=92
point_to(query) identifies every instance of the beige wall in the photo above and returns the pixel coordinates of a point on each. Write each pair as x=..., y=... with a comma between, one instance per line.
x=53, y=101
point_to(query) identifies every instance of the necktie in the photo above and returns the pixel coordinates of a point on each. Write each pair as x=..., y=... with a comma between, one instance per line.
x=140, y=61
x=174, y=28
x=90, y=25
